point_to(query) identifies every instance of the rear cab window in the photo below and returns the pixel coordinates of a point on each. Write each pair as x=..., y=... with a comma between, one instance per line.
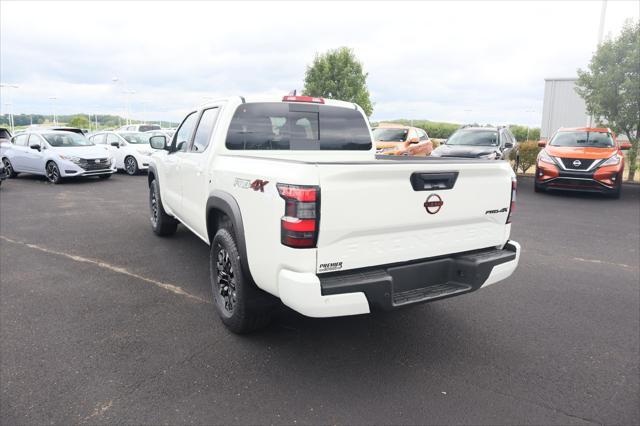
x=291, y=126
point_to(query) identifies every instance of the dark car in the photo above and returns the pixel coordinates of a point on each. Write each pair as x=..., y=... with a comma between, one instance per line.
x=492, y=143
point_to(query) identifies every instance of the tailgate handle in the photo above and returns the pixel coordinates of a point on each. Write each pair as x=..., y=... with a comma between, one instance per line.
x=433, y=181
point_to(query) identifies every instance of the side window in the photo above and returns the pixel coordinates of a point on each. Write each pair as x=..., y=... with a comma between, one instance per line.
x=111, y=137
x=204, y=130
x=35, y=140
x=423, y=135
x=20, y=140
x=99, y=139
x=183, y=135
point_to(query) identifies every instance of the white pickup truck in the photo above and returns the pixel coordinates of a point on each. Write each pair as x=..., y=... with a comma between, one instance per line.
x=295, y=206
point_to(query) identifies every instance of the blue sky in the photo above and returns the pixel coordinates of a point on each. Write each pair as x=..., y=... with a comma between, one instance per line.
x=454, y=61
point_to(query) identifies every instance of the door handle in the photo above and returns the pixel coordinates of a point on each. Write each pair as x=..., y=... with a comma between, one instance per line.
x=433, y=181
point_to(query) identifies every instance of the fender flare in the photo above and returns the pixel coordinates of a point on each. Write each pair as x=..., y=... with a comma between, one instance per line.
x=225, y=202
x=152, y=172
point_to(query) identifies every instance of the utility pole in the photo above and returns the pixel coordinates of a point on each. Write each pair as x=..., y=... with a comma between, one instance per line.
x=603, y=15
x=53, y=104
x=10, y=86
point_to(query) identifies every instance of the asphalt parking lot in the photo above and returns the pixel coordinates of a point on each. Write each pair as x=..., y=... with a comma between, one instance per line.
x=103, y=322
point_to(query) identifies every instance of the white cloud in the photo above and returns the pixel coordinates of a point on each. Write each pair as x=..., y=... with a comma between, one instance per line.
x=476, y=61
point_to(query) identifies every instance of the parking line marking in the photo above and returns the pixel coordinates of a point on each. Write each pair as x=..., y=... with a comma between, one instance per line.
x=166, y=286
x=622, y=265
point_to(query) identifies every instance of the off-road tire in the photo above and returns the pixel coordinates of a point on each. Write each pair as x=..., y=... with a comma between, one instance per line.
x=251, y=308
x=161, y=223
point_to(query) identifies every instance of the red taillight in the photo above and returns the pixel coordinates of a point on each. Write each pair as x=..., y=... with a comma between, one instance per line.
x=303, y=99
x=299, y=225
x=512, y=206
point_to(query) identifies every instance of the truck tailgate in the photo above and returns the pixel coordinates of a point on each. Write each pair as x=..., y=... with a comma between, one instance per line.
x=376, y=213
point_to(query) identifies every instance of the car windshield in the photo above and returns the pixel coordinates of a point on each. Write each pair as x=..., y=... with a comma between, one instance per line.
x=390, y=135
x=147, y=127
x=66, y=139
x=474, y=138
x=592, y=139
x=135, y=138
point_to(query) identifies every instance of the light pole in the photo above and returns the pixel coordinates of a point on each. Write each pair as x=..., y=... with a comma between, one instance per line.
x=9, y=106
x=128, y=104
x=10, y=86
x=95, y=115
x=53, y=105
x=528, y=125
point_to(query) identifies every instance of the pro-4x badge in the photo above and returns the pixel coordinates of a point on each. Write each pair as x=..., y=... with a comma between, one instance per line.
x=259, y=184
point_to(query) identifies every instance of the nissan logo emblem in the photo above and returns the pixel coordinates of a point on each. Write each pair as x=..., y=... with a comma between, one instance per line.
x=433, y=204
x=577, y=163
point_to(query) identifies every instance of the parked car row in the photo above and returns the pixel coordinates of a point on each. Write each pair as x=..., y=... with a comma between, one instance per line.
x=64, y=152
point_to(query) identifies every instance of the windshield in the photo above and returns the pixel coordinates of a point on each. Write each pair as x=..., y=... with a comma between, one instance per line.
x=147, y=127
x=592, y=139
x=390, y=135
x=474, y=138
x=66, y=139
x=293, y=126
x=135, y=138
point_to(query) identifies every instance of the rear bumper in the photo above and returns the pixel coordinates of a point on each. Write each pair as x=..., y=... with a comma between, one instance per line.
x=394, y=286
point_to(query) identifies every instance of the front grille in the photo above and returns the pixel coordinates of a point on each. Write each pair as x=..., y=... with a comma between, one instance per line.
x=576, y=163
x=575, y=183
x=97, y=164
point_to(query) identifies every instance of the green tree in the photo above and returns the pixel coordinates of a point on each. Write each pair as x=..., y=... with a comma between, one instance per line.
x=337, y=74
x=520, y=132
x=610, y=86
x=79, y=121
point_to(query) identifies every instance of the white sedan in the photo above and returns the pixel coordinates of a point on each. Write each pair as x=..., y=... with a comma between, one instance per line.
x=131, y=150
x=56, y=155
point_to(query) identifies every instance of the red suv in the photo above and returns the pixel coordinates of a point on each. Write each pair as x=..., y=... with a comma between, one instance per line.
x=581, y=159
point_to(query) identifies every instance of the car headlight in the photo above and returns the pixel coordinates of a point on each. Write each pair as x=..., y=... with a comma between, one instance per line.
x=70, y=158
x=490, y=156
x=545, y=158
x=614, y=160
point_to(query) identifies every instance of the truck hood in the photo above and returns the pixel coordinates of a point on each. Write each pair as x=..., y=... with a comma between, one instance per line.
x=467, y=151
x=88, y=152
x=586, y=152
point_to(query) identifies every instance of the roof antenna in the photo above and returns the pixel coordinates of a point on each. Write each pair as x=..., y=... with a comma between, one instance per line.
x=293, y=92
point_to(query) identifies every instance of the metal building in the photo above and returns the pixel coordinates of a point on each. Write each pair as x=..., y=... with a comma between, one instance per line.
x=562, y=106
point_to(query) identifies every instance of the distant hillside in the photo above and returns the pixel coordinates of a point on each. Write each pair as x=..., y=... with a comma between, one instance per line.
x=104, y=120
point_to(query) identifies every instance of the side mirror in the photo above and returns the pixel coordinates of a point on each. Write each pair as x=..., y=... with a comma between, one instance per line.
x=542, y=144
x=35, y=146
x=158, y=142
x=625, y=145
x=508, y=145
x=116, y=144
x=443, y=142
x=414, y=140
